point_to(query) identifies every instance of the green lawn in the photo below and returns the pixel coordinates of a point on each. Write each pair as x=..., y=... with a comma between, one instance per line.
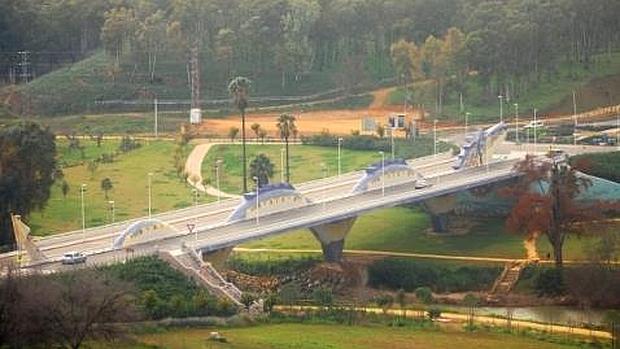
x=402, y=229
x=405, y=230
x=311, y=336
x=305, y=162
x=550, y=94
x=129, y=175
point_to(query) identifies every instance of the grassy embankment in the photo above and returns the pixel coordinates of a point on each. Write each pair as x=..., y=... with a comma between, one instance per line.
x=552, y=94
x=129, y=175
x=311, y=336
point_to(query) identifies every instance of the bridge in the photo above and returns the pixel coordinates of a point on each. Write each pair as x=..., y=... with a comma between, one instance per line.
x=197, y=240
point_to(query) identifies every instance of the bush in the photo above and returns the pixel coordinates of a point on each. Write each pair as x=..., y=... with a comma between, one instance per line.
x=549, y=282
x=434, y=313
x=411, y=274
x=271, y=267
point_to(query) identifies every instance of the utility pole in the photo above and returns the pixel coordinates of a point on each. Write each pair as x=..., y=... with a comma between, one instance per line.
x=501, y=108
x=517, y=122
x=574, y=119
x=155, y=109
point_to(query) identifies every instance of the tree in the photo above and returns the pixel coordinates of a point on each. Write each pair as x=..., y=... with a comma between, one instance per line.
x=380, y=131
x=270, y=301
x=546, y=202
x=64, y=187
x=472, y=302
x=106, y=186
x=247, y=299
x=239, y=88
x=424, y=295
x=256, y=128
x=401, y=298
x=261, y=168
x=92, y=167
x=232, y=133
x=27, y=165
x=262, y=134
x=384, y=302
x=287, y=129
x=118, y=26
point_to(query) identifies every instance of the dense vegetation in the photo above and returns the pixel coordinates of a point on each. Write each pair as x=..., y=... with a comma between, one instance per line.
x=604, y=165
x=288, y=47
x=410, y=274
x=163, y=292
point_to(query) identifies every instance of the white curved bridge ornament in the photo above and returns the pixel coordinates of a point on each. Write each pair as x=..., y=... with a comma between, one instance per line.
x=141, y=231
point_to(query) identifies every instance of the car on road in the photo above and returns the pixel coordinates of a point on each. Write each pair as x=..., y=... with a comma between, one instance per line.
x=534, y=124
x=421, y=183
x=73, y=258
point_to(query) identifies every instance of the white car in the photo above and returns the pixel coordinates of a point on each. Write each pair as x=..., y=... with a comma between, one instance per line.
x=534, y=124
x=73, y=258
x=421, y=183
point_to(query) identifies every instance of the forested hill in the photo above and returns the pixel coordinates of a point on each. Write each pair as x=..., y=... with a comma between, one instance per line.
x=146, y=49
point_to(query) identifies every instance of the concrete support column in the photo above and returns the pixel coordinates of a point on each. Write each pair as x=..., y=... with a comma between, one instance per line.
x=331, y=236
x=438, y=208
x=217, y=258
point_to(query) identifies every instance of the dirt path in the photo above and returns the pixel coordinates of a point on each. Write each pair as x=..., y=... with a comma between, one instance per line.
x=488, y=320
x=380, y=98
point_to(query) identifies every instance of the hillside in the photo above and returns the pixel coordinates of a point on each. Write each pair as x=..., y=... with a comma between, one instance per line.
x=594, y=87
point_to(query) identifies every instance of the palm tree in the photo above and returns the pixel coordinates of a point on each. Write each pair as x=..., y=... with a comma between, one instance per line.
x=261, y=168
x=239, y=88
x=287, y=129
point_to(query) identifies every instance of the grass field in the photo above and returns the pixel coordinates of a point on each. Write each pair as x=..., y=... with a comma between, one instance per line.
x=305, y=162
x=403, y=229
x=551, y=94
x=129, y=175
x=317, y=336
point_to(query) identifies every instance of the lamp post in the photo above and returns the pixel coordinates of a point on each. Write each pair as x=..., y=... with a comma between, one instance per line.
x=339, y=156
x=467, y=114
x=155, y=104
x=501, y=108
x=82, y=190
x=111, y=203
x=535, y=130
x=517, y=122
x=325, y=171
x=435, y=138
x=257, y=193
x=382, y=173
x=574, y=118
x=282, y=150
x=392, y=140
x=218, y=163
x=150, y=195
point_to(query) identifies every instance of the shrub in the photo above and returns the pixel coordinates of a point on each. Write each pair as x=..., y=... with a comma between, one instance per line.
x=411, y=274
x=549, y=282
x=271, y=267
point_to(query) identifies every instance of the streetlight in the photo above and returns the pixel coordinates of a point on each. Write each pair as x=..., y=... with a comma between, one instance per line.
x=517, y=122
x=218, y=163
x=435, y=138
x=392, y=140
x=339, y=156
x=535, y=130
x=382, y=173
x=111, y=203
x=501, y=108
x=467, y=114
x=82, y=190
x=257, y=193
x=325, y=171
x=282, y=150
x=150, y=195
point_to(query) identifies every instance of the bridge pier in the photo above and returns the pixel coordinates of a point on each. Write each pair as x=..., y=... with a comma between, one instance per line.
x=331, y=236
x=217, y=258
x=438, y=208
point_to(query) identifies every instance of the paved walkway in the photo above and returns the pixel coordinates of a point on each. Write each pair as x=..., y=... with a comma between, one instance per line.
x=193, y=168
